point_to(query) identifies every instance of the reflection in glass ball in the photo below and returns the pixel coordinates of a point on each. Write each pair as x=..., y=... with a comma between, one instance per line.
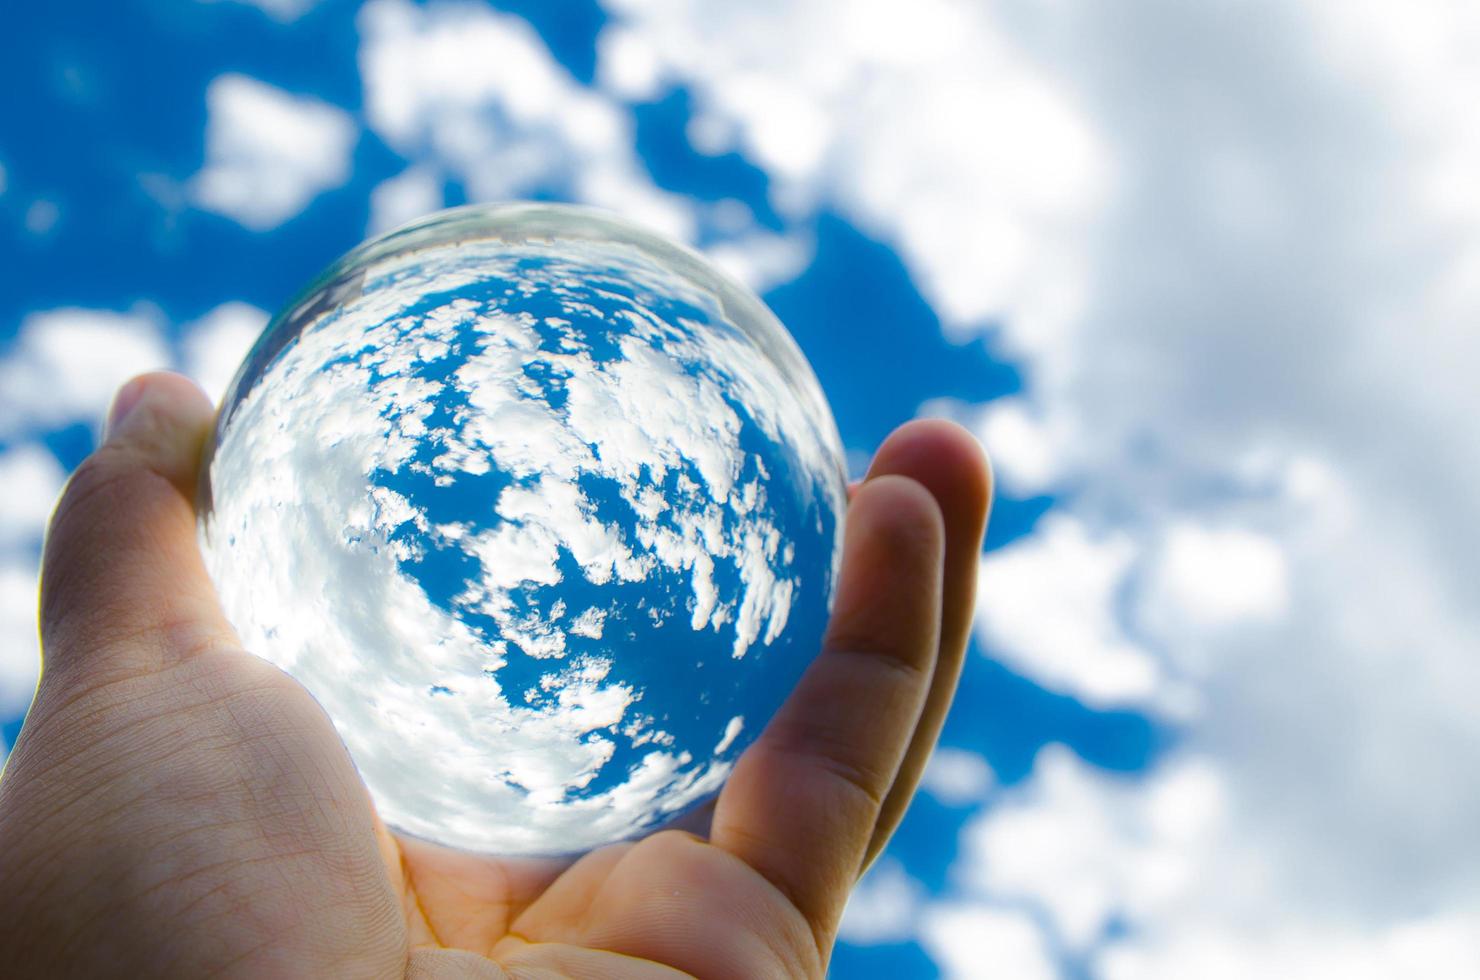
x=543, y=510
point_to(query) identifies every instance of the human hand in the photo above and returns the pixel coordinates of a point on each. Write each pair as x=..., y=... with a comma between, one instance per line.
x=177, y=807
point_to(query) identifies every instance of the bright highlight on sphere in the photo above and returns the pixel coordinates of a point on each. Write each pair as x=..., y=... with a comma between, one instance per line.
x=546, y=513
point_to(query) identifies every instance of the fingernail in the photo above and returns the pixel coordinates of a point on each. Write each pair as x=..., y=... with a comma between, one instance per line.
x=123, y=403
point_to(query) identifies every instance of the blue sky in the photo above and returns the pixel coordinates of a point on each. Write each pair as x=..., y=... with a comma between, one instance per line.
x=1203, y=279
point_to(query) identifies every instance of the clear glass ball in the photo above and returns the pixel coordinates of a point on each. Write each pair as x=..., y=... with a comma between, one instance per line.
x=544, y=510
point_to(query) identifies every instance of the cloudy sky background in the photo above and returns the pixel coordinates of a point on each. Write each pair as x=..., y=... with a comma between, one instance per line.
x=1204, y=277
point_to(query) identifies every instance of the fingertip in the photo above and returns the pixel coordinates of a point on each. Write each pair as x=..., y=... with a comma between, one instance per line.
x=889, y=593
x=898, y=512
x=943, y=455
x=160, y=419
x=153, y=399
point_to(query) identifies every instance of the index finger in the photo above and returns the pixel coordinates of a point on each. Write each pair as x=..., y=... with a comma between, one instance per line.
x=803, y=801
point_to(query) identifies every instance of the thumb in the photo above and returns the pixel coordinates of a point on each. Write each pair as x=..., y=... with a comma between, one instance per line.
x=123, y=587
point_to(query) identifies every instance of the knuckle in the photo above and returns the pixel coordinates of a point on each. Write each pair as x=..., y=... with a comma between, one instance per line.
x=837, y=757
x=104, y=474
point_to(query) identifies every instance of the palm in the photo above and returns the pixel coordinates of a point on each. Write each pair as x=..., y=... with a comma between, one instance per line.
x=614, y=913
x=186, y=809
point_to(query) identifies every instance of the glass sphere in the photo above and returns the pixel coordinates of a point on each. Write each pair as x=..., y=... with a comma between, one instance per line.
x=544, y=510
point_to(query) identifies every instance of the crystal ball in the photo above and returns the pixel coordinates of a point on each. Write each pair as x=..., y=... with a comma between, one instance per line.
x=544, y=510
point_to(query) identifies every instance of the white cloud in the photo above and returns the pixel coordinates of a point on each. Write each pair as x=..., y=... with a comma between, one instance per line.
x=285, y=11
x=476, y=93
x=42, y=216
x=957, y=777
x=626, y=66
x=883, y=908
x=1047, y=606
x=269, y=152
x=214, y=346
x=1443, y=946
x=20, y=649
x=762, y=260
x=1212, y=577
x=412, y=193
x=1084, y=847
x=1027, y=450
x=1238, y=252
x=1167, y=860
x=66, y=364
x=977, y=941
x=901, y=116
x=32, y=479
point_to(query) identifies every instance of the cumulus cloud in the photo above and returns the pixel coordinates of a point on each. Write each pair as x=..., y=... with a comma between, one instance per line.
x=627, y=66
x=979, y=941
x=762, y=259
x=883, y=908
x=413, y=192
x=42, y=216
x=214, y=346
x=1236, y=252
x=1027, y=449
x=32, y=479
x=285, y=11
x=899, y=115
x=1216, y=576
x=65, y=365
x=1156, y=877
x=1047, y=606
x=957, y=777
x=1084, y=847
x=20, y=648
x=477, y=93
x=269, y=152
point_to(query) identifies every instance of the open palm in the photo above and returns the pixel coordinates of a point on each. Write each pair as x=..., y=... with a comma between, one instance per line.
x=176, y=807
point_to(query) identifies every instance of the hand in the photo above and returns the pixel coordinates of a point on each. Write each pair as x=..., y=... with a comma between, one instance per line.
x=177, y=807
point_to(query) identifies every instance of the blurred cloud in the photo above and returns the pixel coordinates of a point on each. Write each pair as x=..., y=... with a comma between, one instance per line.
x=1237, y=253
x=1211, y=577
x=268, y=152
x=32, y=478
x=42, y=216
x=476, y=93
x=1083, y=848
x=20, y=662
x=1047, y=606
x=956, y=777
x=884, y=906
x=1157, y=879
x=285, y=11
x=214, y=346
x=414, y=192
x=65, y=364
x=979, y=941
x=898, y=115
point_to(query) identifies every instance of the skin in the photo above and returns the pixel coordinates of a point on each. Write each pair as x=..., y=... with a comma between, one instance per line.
x=177, y=807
